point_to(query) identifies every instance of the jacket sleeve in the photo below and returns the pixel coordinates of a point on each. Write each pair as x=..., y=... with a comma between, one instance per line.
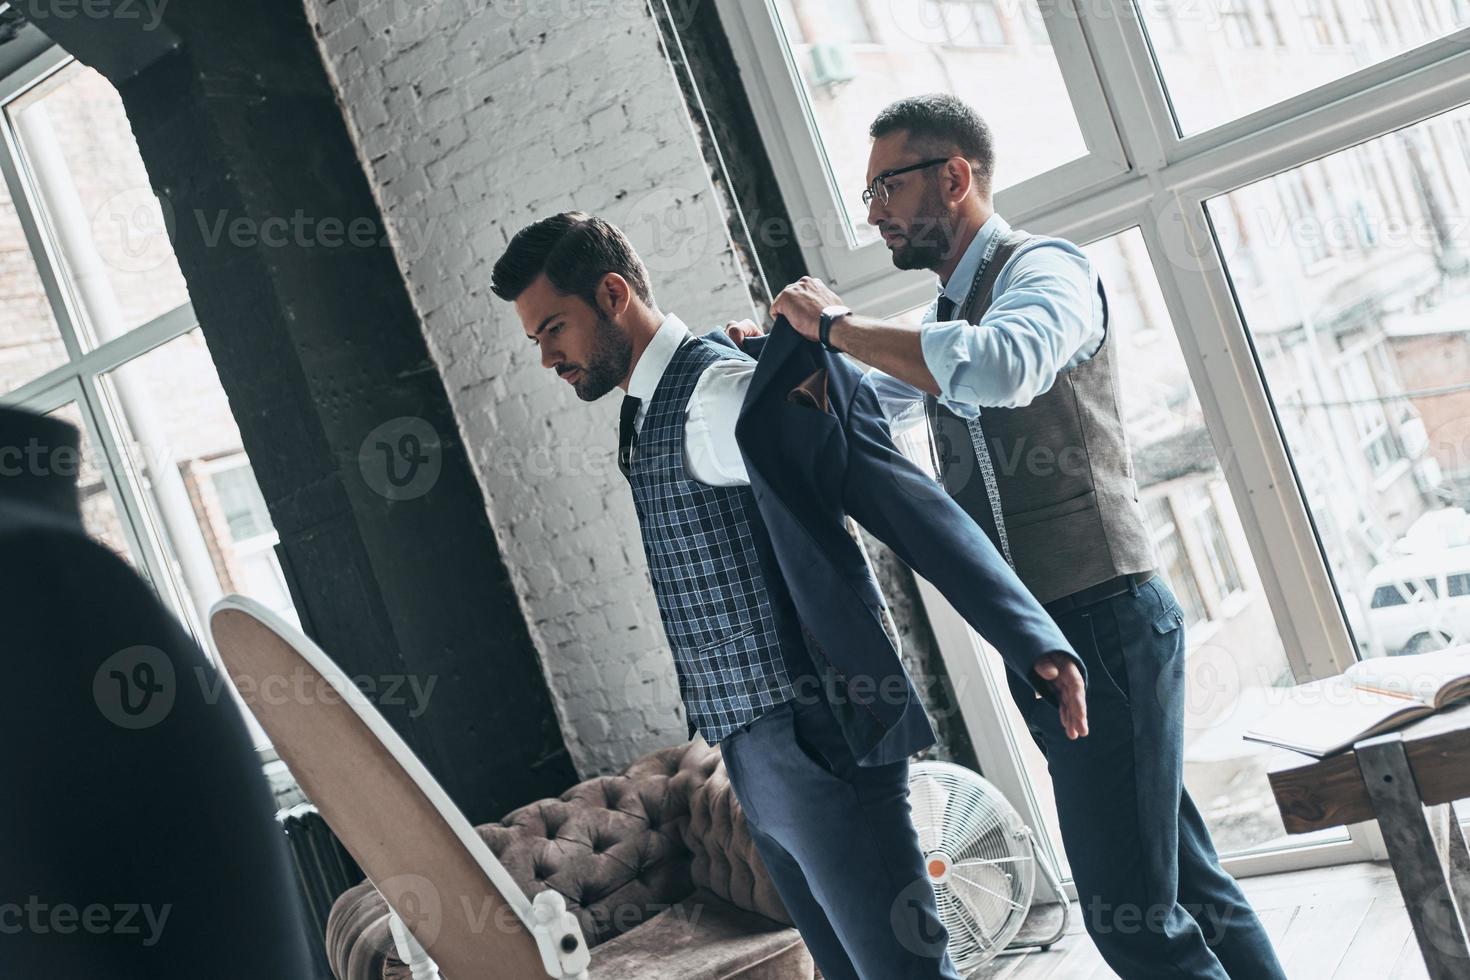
x=912, y=514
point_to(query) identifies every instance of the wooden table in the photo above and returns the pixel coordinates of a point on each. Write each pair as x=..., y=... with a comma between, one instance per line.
x=1392, y=778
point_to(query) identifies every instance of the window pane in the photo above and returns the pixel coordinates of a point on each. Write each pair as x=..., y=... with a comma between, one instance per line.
x=99, y=509
x=856, y=57
x=1359, y=310
x=1235, y=661
x=90, y=180
x=185, y=451
x=1224, y=60
x=30, y=343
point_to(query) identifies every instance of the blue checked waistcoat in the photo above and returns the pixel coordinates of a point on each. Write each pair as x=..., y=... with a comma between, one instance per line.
x=733, y=630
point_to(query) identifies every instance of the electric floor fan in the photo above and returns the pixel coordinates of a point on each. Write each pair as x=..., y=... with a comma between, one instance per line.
x=982, y=861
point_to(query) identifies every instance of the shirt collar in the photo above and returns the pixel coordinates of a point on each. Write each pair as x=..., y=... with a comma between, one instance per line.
x=959, y=284
x=656, y=357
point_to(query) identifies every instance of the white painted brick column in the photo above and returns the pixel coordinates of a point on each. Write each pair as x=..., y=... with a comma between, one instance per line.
x=474, y=118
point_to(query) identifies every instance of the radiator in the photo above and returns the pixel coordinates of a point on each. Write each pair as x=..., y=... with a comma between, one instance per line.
x=324, y=870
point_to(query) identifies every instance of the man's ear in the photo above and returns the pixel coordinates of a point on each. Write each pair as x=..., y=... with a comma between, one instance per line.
x=613, y=295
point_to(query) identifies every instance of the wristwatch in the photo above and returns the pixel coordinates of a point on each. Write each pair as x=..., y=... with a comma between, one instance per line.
x=824, y=327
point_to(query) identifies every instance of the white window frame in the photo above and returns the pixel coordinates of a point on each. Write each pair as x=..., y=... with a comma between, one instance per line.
x=79, y=379
x=864, y=274
x=82, y=379
x=1161, y=186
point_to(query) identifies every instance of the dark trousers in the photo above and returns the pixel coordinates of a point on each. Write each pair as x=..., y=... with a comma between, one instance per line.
x=839, y=842
x=1152, y=893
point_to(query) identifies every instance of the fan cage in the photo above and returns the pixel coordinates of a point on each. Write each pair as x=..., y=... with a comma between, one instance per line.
x=980, y=855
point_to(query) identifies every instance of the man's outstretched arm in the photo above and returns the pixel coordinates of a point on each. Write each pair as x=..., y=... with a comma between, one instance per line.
x=905, y=509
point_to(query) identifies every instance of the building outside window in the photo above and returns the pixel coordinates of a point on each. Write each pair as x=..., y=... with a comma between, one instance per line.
x=1218, y=554
x=1240, y=27
x=1173, y=563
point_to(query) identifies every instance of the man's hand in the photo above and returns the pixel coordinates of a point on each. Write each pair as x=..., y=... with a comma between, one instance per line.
x=1066, y=680
x=802, y=304
x=742, y=330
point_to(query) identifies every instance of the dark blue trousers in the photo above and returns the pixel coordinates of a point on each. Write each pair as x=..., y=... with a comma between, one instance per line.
x=1152, y=893
x=839, y=842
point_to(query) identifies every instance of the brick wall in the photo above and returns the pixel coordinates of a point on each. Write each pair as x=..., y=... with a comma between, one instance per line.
x=474, y=118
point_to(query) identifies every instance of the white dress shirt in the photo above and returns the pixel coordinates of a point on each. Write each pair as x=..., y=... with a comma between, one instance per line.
x=1046, y=317
x=711, y=455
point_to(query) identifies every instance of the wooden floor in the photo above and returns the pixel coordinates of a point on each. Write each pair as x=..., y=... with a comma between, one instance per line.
x=1342, y=923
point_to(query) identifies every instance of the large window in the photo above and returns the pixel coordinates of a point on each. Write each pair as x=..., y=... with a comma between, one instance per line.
x=1285, y=242
x=844, y=61
x=1220, y=70
x=968, y=47
x=96, y=328
x=1366, y=359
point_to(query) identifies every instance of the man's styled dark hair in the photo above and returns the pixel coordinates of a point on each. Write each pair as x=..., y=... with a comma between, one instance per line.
x=575, y=250
x=934, y=124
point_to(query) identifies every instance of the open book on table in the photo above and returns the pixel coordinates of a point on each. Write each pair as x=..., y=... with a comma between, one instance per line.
x=1326, y=716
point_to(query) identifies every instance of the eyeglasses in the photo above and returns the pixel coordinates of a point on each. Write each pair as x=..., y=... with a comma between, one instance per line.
x=879, y=189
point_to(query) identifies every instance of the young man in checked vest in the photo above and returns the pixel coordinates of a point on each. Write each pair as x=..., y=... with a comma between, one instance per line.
x=822, y=780
x=1014, y=368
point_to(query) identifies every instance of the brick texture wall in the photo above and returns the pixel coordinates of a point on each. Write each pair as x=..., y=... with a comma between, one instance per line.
x=474, y=118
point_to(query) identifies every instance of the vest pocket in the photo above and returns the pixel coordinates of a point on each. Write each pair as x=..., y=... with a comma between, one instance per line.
x=724, y=640
x=1024, y=518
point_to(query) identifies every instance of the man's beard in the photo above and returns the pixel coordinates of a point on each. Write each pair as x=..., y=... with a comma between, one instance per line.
x=608, y=362
x=927, y=243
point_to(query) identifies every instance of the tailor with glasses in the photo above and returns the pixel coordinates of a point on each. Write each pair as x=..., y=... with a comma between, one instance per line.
x=1015, y=372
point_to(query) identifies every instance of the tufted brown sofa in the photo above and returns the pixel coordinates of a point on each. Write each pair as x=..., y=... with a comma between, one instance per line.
x=657, y=864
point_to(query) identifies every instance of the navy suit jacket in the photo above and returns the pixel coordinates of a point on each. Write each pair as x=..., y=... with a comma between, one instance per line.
x=812, y=464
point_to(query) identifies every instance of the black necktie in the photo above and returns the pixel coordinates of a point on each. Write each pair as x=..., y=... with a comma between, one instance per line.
x=945, y=310
x=627, y=434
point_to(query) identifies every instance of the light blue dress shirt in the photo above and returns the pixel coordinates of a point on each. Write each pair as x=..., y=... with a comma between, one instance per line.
x=1046, y=318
